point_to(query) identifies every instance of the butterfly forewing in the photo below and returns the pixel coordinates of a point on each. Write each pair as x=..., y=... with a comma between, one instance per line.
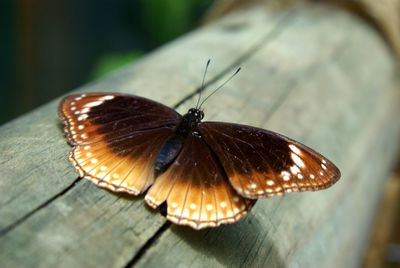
x=195, y=190
x=94, y=117
x=261, y=163
x=116, y=138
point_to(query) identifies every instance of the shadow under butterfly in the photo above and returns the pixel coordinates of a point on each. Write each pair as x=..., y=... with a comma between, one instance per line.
x=203, y=174
x=230, y=246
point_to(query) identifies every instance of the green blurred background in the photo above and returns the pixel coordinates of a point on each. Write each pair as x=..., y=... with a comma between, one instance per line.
x=51, y=47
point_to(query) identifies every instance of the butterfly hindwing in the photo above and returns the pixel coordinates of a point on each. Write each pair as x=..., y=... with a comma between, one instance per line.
x=195, y=190
x=116, y=138
x=261, y=163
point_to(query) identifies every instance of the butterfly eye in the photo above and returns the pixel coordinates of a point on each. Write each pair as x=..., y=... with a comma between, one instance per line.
x=198, y=114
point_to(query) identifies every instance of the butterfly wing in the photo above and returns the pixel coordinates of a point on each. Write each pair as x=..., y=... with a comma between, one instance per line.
x=195, y=189
x=97, y=116
x=116, y=138
x=261, y=163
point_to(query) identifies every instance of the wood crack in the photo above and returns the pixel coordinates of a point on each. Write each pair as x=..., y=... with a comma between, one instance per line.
x=25, y=217
x=149, y=243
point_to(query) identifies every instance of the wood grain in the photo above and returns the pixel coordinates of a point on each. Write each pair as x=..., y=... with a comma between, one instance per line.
x=315, y=74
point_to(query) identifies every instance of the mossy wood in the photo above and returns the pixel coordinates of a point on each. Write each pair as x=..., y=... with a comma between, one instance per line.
x=313, y=73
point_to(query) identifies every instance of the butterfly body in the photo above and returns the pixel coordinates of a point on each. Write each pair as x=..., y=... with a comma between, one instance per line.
x=188, y=125
x=189, y=122
x=204, y=173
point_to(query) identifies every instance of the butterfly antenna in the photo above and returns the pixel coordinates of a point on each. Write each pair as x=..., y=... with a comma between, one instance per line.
x=202, y=83
x=223, y=84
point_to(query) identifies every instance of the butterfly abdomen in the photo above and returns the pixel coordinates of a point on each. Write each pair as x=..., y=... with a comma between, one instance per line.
x=167, y=154
x=172, y=147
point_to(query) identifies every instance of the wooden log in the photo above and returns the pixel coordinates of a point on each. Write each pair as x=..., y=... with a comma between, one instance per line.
x=314, y=73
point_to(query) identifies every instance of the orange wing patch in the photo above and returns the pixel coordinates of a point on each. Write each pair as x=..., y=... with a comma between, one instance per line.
x=195, y=190
x=122, y=164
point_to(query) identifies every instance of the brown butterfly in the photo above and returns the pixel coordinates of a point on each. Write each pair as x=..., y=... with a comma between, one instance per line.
x=204, y=173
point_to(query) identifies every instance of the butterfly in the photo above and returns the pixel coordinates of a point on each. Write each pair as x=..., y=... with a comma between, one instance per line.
x=203, y=174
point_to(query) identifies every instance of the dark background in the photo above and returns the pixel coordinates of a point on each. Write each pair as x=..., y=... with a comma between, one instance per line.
x=50, y=47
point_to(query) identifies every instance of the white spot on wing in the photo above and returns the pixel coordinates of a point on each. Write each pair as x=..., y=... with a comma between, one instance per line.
x=294, y=170
x=294, y=149
x=108, y=97
x=297, y=160
x=185, y=213
x=285, y=175
x=93, y=103
x=270, y=182
x=203, y=217
x=82, y=117
x=85, y=110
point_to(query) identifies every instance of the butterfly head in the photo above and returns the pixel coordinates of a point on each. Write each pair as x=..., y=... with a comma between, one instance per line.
x=189, y=121
x=195, y=114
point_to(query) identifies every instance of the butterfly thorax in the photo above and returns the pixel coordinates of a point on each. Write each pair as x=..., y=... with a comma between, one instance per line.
x=189, y=122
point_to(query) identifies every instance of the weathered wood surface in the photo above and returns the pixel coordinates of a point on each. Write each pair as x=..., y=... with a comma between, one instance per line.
x=315, y=74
